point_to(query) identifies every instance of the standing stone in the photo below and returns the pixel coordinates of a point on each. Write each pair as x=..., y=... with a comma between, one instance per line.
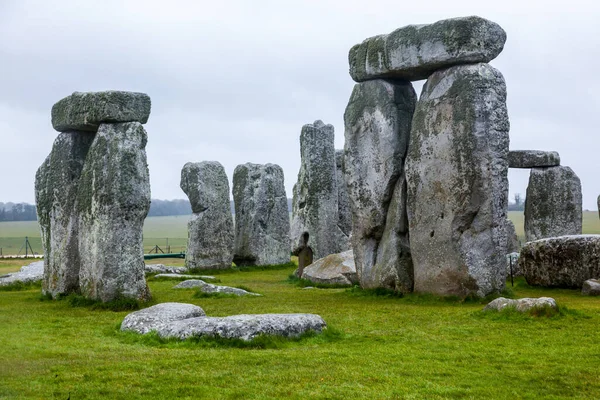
x=113, y=201
x=344, y=212
x=210, y=230
x=598, y=201
x=553, y=203
x=315, y=198
x=377, y=129
x=262, y=221
x=513, y=244
x=532, y=159
x=57, y=184
x=456, y=171
x=414, y=52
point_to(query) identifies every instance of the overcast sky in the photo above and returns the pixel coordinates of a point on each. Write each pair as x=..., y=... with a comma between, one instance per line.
x=234, y=81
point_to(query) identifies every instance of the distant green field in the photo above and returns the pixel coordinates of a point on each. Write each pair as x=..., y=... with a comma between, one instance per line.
x=158, y=229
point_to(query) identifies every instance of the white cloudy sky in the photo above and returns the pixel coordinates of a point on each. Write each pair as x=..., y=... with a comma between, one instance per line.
x=235, y=80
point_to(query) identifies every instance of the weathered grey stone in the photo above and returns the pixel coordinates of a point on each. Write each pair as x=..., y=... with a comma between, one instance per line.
x=456, y=171
x=86, y=111
x=210, y=288
x=553, y=203
x=185, y=276
x=163, y=269
x=210, y=230
x=315, y=197
x=414, y=52
x=512, y=262
x=598, y=206
x=565, y=261
x=112, y=201
x=532, y=159
x=377, y=120
x=591, y=287
x=245, y=327
x=513, y=244
x=57, y=185
x=344, y=211
x=156, y=317
x=521, y=305
x=33, y=272
x=335, y=269
x=262, y=221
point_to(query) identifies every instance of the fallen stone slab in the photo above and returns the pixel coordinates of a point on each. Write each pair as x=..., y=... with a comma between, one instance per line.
x=33, y=272
x=591, y=287
x=210, y=288
x=181, y=276
x=163, y=269
x=414, y=52
x=85, y=111
x=533, y=159
x=335, y=269
x=564, y=261
x=521, y=305
x=153, y=318
x=245, y=327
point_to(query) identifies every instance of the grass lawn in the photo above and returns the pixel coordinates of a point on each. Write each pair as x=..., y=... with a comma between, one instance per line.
x=408, y=348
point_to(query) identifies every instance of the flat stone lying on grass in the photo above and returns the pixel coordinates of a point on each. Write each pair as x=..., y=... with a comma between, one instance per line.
x=152, y=318
x=532, y=159
x=209, y=288
x=335, y=269
x=591, y=287
x=163, y=269
x=521, y=305
x=186, y=276
x=85, y=111
x=33, y=272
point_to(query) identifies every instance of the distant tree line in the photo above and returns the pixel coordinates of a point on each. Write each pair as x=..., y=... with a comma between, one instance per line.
x=518, y=205
x=17, y=212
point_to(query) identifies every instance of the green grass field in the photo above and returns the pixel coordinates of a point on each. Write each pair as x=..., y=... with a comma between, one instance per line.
x=406, y=348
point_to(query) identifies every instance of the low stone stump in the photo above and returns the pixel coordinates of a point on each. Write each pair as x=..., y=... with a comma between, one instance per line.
x=521, y=305
x=163, y=269
x=564, y=261
x=209, y=288
x=178, y=320
x=33, y=272
x=591, y=287
x=335, y=269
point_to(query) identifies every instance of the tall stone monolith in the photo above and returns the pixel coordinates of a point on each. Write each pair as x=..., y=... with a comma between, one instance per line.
x=344, y=212
x=315, y=197
x=112, y=201
x=553, y=203
x=262, y=221
x=210, y=229
x=456, y=170
x=377, y=129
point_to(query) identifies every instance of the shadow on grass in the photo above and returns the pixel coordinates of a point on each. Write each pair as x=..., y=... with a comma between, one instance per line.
x=120, y=304
x=260, y=342
x=18, y=285
x=294, y=280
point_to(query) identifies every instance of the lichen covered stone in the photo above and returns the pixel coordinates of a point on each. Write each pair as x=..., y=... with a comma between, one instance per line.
x=532, y=159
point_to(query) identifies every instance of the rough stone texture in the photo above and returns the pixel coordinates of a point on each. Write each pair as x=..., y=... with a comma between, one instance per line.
x=513, y=244
x=565, y=261
x=513, y=258
x=553, y=203
x=532, y=159
x=209, y=288
x=156, y=317
x=33, y=272
x=315, y=197
x=344, y=211
x=185, y=276
x=414, y=52
x=57, y=184
x=245, y=326
x=163, y=269
x=335, y=269
x=113, y=201
x=521, y=305
x=86, y=111
x=591, y=287
x=262, y=221
x=456, y=171
x=377, y=129
x=210, y=229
